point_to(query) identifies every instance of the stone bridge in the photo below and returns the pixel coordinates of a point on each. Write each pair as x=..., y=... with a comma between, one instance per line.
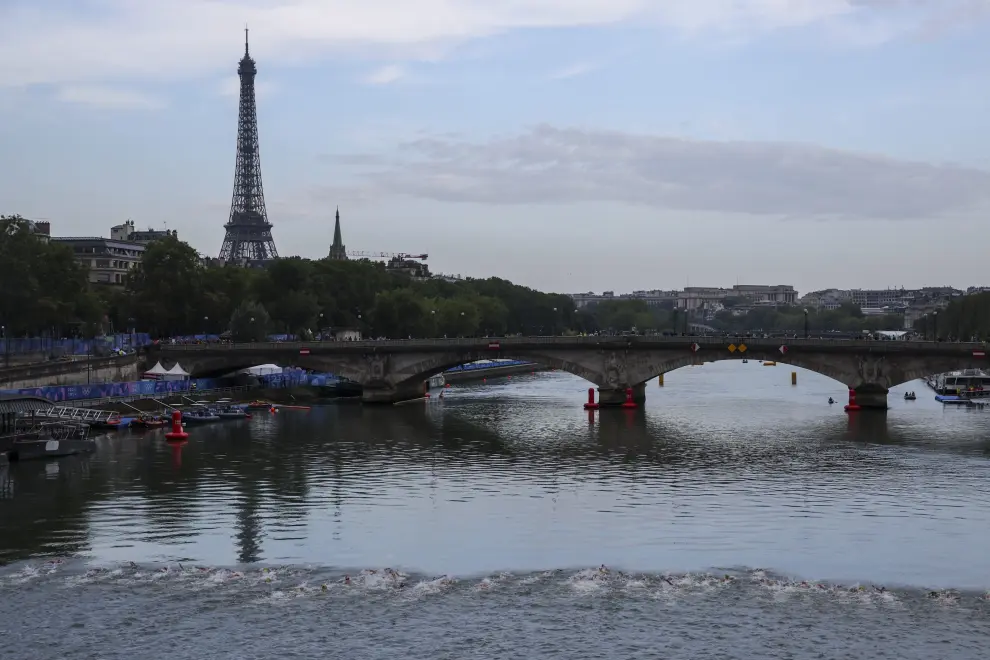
x=393, y=371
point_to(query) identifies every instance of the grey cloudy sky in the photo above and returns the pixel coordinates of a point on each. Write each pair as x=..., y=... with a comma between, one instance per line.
x=573, y=146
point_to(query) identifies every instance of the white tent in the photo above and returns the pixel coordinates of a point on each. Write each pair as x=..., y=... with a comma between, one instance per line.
x=176, y=373
x=157, y=372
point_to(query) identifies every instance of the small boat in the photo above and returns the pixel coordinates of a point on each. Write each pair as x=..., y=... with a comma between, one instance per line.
x=769, y=364
x=200, y=416
x=148, y=422
x=909, y=396
x=112, y=423
x=260, y=404
x=745, y=361
x=233, y=412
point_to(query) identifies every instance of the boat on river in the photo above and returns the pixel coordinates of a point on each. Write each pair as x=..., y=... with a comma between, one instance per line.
x=910, y=396
x=200, y=416
x=149, y=422
x=233, y=412
x=51, y=440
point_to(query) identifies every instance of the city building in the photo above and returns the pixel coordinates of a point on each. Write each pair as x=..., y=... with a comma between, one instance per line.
x=41, y=229
x=127, y=232
x=702, y=302
x=109, y=260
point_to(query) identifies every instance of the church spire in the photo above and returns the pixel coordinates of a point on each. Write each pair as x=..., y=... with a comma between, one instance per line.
x=337, y=251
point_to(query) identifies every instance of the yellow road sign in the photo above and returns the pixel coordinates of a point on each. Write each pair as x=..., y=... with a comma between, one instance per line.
x=732, y=348
x=742, y=348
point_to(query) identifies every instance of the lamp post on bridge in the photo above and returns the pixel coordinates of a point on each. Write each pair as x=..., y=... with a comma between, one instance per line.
x=935, y=325
x=553, y=327
x=805, y=322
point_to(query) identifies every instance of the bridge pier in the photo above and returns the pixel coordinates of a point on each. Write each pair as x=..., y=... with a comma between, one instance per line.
x=872, y=397
x=388, y=394
x=614, y=397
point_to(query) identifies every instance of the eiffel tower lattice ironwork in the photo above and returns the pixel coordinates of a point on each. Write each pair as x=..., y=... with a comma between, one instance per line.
x=249, y=234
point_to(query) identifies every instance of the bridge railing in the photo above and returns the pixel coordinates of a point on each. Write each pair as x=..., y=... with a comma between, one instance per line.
x=489, y=343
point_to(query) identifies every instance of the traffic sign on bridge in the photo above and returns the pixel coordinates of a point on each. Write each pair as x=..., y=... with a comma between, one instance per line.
x=979, y=353
x=783, y=350
x=695, y=348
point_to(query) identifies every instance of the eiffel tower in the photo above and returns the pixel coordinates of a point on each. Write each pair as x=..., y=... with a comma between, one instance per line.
x=249, y=234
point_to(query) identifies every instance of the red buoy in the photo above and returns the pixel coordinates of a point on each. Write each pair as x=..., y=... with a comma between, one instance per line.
x=629, y=399
x=852, y=406
x=591, y=405
x=177, y=432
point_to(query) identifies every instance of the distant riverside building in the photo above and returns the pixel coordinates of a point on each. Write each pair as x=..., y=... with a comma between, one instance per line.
x=700, y=301
x=109, y=260
x=41, y=229
x=127, y=232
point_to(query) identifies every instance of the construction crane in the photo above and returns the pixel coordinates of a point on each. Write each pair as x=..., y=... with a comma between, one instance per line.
x=388, y=255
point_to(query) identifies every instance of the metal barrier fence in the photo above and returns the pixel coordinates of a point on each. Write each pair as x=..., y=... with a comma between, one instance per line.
x=51, y=345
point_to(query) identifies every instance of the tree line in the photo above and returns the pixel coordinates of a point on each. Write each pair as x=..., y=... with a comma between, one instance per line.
x=44, y=290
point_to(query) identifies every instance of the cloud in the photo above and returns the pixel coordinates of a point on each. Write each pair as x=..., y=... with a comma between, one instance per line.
x=573, y=71
x=74, y=41
x=100, y=96
x=565, y=165
x=385, y=75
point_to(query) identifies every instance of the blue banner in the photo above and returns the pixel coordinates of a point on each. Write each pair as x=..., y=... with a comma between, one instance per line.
x=51, y=345
x=486, y=365
x=154, y=388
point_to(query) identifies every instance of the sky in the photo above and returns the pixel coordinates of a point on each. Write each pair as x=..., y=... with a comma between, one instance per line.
x=568, y=145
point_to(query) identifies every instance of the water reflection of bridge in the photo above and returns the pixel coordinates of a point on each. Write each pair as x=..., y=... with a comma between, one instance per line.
x=269, y=472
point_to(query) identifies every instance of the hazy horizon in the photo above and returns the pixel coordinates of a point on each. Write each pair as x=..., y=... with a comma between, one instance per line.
x=569, y=146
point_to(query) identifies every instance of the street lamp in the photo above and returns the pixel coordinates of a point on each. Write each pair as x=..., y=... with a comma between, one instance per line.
x=206, y=325
x=935, y=325
x=553, y=326
x=806, y=323
x=6, y=346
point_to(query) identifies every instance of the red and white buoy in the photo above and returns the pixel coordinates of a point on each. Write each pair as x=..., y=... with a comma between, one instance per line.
x=852, y=406
x=629, y=403
x=177, y=433
x=591, y=405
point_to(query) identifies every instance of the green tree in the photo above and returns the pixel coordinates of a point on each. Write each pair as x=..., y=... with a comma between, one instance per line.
x=166, y=291
x=249, y=322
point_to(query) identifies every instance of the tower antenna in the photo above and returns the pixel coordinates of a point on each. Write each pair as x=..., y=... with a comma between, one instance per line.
x=245, y=40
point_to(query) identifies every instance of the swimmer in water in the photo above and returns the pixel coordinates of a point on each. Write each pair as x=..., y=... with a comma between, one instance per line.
x=347, y=579
x=667, y=580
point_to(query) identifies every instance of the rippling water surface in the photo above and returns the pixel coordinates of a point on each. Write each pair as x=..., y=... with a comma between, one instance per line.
x=737, y=516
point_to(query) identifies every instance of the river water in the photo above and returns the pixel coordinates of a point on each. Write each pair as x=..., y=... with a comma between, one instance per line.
x=737, y=516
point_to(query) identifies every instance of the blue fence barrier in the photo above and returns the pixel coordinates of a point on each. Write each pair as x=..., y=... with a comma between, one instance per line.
x=14, y=346
x=487, y=365
x=153, y=388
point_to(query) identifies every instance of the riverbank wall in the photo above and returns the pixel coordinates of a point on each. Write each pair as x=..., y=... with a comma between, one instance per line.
x=114, y=369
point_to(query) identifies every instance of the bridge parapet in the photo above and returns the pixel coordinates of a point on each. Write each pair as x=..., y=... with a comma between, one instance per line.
x=391, y=370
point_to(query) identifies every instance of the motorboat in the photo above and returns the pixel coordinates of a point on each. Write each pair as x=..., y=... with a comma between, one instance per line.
x=910, y=396
x=51, y=440
x=113, y=422
x=233, y=412
x=200, y=416
x=149, y=422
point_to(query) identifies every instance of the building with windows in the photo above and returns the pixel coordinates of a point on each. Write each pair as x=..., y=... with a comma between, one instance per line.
x=109, y=260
